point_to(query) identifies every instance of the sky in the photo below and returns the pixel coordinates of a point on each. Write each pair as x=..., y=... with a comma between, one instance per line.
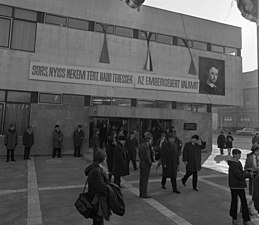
x=223, y=11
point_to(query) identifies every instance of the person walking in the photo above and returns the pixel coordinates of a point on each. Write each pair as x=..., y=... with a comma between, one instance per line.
x=28, y=142
x=229, y=142
x=170, y=162
x=252, y=165
x=96, y=141
x=237, y=185
x=131, y=146
x=192, y=160
x=111, y=143
x=120, y=166
x=157, y=149
x=78, y=137
x=10, y=141
x=145, y=162
x=221, y=141
x=57, y=137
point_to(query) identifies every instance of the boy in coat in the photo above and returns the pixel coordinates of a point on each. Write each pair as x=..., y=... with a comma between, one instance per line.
x=78, y=136
x=57, y=137
x=10, y=141
x=28, y=141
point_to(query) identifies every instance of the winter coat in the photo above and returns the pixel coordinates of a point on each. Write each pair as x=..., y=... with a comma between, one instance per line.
x=229, y=141
x=131, y=147
x=192, y=155
x=221, y=141
x=116, y=200
x=110, y=152
x=169, y=156
x=256, y=193
x=250, y=165
x=145, y=156
x=120, y=165
x=11, y=139
x=28, y=139
x=57, y=139
x=96, y=142
x=236, y=175
x=157, y=148
x=78, y=137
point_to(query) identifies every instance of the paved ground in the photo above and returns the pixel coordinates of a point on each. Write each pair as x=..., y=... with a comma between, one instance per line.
x=42, y=191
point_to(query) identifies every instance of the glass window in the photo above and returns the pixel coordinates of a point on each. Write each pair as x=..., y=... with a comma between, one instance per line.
x=98, y=28
x=164, y=39
x=184, y=106
x=217, y=48
x=6, y=11
x=55, y=20
x=199, y=108
x=50, y=98
x=18, y=96
x=121, y=102
x=2, y=96
x=143, y=36
x=5, y=25
x=231, y=51
x=25, y=14
x=1, y=117
x=145, y=104
x=200, y=45
x=124, y=32
x=17, y=114
x=74, y=100
x=24, y=35
x=78, y=24
x=163, y=104
x=101, y=101
x=180, y=42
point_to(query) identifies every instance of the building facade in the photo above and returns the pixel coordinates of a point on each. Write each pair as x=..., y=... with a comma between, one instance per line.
x=100, y=63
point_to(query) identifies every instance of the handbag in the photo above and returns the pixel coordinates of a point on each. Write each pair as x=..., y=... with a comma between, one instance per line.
x=83, y=203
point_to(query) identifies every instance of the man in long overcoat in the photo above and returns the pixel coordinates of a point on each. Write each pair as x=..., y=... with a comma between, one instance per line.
x=28, y=141
x=169, y=159
x=145, y=158
x=57, y=137
x=131, y=146
x=192, y=160
x=10, y=141
x=120, y=166
x=221, y=141
x=78, y=136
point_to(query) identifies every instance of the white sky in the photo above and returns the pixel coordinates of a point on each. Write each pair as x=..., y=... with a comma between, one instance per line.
x=220, y=11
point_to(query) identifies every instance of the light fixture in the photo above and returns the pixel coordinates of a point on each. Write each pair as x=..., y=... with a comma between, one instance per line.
x=134, y=3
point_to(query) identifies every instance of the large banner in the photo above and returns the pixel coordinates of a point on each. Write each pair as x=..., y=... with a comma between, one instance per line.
x=83, y=75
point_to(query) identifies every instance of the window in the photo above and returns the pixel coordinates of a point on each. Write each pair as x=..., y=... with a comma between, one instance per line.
x=17, y=96
x=199, y=108
x=184, y=106
x=180, y=42
x=25, y=14
x=2, y=96
x=164, y=39
x=145, y=104
x=121, y=102
x=98, y=28
x=231, y=51
x=78, y=24
x=5, y=25
x=143, y=36
x=55, y=20
x=50, y=98
x=6, y=11
x=74, y=100
x=124, y=32
x=200, y=45
x=101, y=101
x=217, y=48
x=163, y=104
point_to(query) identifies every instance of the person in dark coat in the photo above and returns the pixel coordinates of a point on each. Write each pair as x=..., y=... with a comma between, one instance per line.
x=28, y=141
x=120, y=166
x=157, y=149
x=256, y=192
x=78, y=137
x=145, y=162
x=97, y=187
x=229, y=142
x=170, y=162
x=221, y=141
x=96, y=141
x=131, y=146
x=237, y=185
x=57, y=137
x=103, y=136
x=10, y=141
x=192, y=160
x=111, y=143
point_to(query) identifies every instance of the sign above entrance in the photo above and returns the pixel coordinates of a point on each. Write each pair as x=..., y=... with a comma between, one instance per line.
x=88, y=76
x=190, y=126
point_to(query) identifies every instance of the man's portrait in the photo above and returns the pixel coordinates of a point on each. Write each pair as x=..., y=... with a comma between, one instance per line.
x=212, y=76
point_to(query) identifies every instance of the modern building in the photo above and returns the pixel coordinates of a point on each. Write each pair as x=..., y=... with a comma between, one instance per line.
x=100, y=63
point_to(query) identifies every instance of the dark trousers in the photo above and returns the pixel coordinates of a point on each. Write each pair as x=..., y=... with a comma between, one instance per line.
x=55, y=151
x=133, y=163
x=143, y=181
x=26, y=154
x=233, y=207
x=194, y=178
x=221, y=151
x=98, y=220
x=117, y=180
x=8, y=155
x=173, y=181
x=77, y=151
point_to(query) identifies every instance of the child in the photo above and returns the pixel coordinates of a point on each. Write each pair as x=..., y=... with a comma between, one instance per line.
x=237, y=185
